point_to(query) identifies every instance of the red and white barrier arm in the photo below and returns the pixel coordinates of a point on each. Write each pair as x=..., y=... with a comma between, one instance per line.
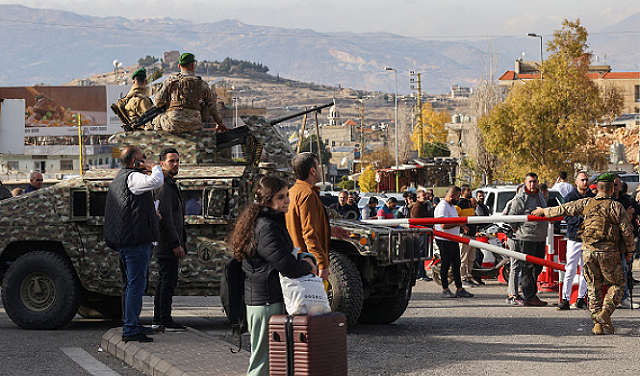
x=500, y=250
x=461, y=220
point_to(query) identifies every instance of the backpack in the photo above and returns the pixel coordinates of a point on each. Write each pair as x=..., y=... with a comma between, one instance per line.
x=232, y=297
x=118, y=108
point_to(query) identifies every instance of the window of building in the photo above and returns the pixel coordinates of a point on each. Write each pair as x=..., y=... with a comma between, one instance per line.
x=636, y=95
x=66, y=164
x=14, y=165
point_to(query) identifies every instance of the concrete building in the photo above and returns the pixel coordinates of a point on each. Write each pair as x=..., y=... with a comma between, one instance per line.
x=627, y=83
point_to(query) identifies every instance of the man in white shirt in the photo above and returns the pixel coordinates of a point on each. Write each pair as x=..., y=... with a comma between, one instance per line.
x=130, y=226
x=449, y=250
x=562, y=185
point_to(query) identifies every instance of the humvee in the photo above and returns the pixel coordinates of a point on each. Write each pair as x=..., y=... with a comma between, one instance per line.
x=54, y=262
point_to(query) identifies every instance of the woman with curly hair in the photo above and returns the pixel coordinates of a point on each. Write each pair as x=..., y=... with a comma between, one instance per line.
x=261, y=241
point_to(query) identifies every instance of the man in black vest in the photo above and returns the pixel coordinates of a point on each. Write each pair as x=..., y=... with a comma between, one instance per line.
x=130, y=226
x=171, y=241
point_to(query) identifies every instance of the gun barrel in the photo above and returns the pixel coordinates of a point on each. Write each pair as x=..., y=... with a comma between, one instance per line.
x=300, y=113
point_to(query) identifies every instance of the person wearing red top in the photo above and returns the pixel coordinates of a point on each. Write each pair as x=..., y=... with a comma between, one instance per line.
x=386, y=211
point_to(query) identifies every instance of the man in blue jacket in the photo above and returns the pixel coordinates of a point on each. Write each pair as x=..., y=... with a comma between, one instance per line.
x=574, y=247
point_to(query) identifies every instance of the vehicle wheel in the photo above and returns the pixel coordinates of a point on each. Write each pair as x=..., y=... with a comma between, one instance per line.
x=104, y=307
x=41, y=291
x=506, y=270
x=435, y=271
x=345, y=287
x=385, y=310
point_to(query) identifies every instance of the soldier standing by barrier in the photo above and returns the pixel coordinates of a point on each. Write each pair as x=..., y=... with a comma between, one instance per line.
x=189, y=101
x=606, y=233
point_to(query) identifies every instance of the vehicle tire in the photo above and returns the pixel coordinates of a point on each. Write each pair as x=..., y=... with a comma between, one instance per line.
x=506, y=270
x=41, y=290
x=385, y=310
x=435, y=271
x=105, y=307
x=345, y=287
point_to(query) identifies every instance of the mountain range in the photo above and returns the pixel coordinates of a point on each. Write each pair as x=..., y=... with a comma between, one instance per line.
x=52, y=47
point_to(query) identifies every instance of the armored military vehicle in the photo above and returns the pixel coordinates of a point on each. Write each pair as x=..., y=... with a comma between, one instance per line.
x=54, y=262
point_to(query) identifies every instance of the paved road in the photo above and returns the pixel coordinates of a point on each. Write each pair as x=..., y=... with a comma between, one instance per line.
x=474, y=336
x=35, y=353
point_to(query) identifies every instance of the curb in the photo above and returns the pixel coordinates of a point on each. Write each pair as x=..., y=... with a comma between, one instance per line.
x=190, y=353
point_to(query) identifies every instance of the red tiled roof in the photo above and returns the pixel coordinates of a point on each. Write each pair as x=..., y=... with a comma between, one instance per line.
x=511, y=76
x=350, y=122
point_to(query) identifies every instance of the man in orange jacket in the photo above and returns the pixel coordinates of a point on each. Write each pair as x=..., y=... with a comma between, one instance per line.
x=307, y=220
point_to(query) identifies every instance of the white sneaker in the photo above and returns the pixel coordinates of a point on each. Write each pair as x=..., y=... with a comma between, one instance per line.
x=626, y=304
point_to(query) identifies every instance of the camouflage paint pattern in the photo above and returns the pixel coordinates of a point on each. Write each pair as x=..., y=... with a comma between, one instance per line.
x=69, y=216
x=603, y=268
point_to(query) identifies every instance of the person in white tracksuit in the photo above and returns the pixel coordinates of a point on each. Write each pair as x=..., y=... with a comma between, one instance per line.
x=574, y=247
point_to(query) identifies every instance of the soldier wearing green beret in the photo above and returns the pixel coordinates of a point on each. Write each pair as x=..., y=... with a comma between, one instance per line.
x=606, y=233
x=136, y=101
x=187, y=99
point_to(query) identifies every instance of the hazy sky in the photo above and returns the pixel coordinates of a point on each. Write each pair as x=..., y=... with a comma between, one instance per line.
x=417, y=18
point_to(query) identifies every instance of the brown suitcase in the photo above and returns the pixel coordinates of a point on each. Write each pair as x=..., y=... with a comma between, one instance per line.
x=308, y=345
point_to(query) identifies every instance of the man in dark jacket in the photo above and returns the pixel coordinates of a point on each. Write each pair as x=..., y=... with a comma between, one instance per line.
x=423, y=208
x=171, y=241
x=574, y=247
x=130, y=226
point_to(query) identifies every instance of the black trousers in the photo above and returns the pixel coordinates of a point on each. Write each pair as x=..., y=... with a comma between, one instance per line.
x=449, y=257
x=166, y=285
x=530, y=272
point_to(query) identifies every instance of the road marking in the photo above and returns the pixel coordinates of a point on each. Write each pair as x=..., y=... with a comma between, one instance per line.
x=88, y=362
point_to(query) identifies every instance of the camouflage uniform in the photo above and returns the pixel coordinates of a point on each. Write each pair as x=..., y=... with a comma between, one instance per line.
x=138, y=103
x=607, y=233
x=188, y=98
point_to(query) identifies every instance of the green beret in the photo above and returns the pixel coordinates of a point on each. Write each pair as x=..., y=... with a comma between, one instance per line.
x=139, y=72
x=186, y=58
x=607, y=177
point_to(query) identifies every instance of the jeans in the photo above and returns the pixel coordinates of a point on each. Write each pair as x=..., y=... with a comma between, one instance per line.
x=449, y=257
x=530, y=272
x=167, y=282
x=136, y=262
x=514, y=274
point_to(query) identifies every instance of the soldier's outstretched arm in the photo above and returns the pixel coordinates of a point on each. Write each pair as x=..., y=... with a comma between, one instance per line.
x=570, y=209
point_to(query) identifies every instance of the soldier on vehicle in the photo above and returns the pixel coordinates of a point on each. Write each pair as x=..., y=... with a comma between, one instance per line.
x=137, y=101
x=188, y=100
x=606, y=233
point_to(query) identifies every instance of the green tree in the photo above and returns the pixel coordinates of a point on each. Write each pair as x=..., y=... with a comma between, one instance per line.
x=346, y=183
x=550, y=125
x=310, y=144
x=157, y=73
x=435, y=149
x=147, y=61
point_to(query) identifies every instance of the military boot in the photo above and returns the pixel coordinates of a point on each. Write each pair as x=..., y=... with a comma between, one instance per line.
x=597, y=329
x=604, y=318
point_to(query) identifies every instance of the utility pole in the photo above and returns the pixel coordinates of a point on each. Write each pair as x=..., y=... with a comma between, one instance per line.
x=362, y=135
x=419, y=124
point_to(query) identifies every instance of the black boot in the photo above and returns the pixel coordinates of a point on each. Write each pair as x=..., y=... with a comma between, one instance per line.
x=581, y=304
x=564, y=305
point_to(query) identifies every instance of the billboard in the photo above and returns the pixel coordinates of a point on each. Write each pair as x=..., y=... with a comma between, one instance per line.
x=11, y=137
x=54, y=110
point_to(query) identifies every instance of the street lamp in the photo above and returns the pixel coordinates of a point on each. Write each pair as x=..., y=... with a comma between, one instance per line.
x=396, y=125
x=534, y=35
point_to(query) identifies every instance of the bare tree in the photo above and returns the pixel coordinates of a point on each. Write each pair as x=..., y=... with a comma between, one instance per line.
x=487, y=95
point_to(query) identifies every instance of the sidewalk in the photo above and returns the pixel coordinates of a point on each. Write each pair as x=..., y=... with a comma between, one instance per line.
x=190, y=353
